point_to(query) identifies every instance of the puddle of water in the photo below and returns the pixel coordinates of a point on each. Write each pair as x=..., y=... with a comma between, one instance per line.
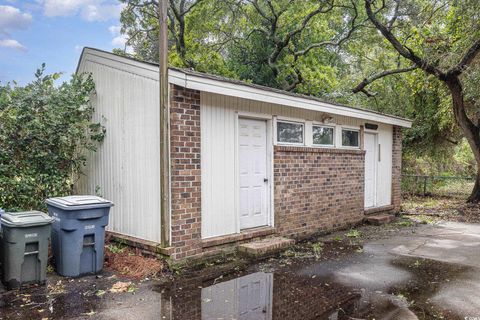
x=262, y=296
x=369, y=284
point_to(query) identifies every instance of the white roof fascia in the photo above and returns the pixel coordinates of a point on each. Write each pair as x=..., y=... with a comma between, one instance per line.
x=114, y=61
x=243, y=91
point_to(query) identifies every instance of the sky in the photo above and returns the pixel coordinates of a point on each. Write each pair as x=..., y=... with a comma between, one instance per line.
x=54, y=32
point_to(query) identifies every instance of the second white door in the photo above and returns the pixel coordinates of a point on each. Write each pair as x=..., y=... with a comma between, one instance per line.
x=253, y=180
x=370, y=169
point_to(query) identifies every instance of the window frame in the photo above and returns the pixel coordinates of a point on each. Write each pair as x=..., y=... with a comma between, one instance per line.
x=353, y=130
x=333, y=137
x=302, y=123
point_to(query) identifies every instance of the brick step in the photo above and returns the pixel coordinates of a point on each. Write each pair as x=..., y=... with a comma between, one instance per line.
x=379, y=219
x=265, y=246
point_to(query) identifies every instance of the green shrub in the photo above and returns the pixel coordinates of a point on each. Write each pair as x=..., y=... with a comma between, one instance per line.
x=44, y=133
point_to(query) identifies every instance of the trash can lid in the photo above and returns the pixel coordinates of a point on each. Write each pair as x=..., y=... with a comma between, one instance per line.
x=25, y=219
x=79, y=202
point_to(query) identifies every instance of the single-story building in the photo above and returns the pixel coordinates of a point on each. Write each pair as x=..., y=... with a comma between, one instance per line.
x=246, y=161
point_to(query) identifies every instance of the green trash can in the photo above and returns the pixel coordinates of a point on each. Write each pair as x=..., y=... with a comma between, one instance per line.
x=24, y=241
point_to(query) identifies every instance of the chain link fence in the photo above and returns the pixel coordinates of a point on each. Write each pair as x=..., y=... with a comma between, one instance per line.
x=457, y=187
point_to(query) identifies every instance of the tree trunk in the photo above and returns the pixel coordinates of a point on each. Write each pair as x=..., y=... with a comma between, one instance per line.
x=475, y=195
x=469, y=129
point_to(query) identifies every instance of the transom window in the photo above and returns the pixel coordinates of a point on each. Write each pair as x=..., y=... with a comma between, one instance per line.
x=350, y=138
x=322, y=136
x=290, y=132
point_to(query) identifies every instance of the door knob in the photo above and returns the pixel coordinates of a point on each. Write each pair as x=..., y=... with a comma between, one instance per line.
x=265, y=180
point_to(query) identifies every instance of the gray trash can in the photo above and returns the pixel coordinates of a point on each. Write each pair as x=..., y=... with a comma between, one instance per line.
x=24, y=243
x=78, y=233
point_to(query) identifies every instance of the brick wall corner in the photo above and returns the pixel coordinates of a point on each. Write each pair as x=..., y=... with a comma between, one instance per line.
x=397, y=168
x=185, y=146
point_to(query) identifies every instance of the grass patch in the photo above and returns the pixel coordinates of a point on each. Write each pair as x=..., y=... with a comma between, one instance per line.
x=353, y=233
x=338, y=238
x=405, y=222
x=426, y=219
x=317, y=249
x=50, y=269
x=114, y=248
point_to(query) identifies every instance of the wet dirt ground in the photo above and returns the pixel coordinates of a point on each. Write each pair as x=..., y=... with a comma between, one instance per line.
x=396, y=271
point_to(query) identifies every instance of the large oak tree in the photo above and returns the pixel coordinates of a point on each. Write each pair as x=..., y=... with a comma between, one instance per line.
x=413, y=58
x=441, y=38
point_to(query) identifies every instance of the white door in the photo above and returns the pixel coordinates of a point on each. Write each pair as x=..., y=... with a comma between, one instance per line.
x=370, y=169
x=245, y=298
x=253, y=180
x=254, y=296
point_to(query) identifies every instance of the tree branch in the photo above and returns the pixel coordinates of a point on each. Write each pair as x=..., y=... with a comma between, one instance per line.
x=280, y=45
x=296, y=82
x=174, y=9
x=191, y=7
x=395, y=15
x=337, y=43
x=368, y=94
x=272, y=9
x=361, y=86
x=259, y=10
x=466, y=60
x=144, y=4
x=406, y=52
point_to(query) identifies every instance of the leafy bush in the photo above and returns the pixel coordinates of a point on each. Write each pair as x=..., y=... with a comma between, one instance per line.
x=44, y=132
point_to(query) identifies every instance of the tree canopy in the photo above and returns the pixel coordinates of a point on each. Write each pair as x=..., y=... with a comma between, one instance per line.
x=412, y=58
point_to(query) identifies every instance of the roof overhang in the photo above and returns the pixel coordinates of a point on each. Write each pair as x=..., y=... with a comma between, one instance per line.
x=196, y=82
x=212, y=84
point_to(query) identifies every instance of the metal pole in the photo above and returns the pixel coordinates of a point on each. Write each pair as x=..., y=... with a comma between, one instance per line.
x=164, y=126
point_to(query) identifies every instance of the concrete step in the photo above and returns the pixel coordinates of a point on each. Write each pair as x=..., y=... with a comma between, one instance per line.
x=379, y=219
x=265, y=246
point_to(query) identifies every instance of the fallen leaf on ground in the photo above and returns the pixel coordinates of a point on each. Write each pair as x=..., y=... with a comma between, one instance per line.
x=56, y=288
x=119, y=287
x=100, y=293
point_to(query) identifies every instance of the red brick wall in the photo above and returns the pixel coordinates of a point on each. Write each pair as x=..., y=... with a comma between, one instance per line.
x=297, y=297
x=317, y=190
x=397, y=168
x=185, y=172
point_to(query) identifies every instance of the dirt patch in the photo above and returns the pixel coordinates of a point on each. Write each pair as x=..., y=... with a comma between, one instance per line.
x=438, y=209
x=131, y=263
